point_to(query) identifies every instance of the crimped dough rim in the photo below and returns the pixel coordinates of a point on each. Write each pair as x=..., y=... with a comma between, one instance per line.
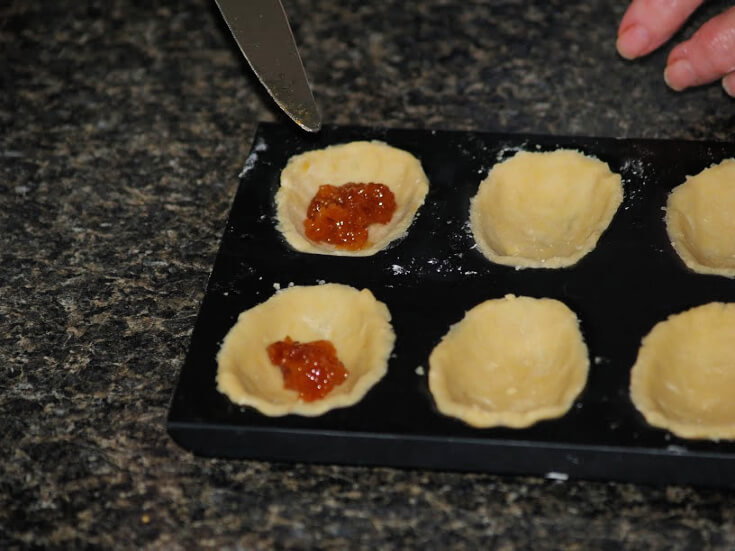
x=676, y=235
x=640, y=393
x=374, y=325
x=374, y=161
x=483, y=418
x=583, y=248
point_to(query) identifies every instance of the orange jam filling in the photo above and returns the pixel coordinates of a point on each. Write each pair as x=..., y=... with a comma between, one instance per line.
x=311, y=368
x=340, y=215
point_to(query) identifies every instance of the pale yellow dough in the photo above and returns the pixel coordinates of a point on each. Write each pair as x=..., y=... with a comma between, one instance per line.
x=700, y=220
x=355, y=162
x=544, y=210
x=510, y=362
x=684, y=377
x=355, y=322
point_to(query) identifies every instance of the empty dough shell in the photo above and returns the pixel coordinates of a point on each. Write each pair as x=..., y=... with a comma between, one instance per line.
x=510, y=362
x=354, y=162
x=700, y=220
x=544, y=209
x=355, y=322
x=684, y=377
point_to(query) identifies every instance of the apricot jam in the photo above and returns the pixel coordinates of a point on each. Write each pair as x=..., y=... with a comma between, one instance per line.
x=311, y=368
x=341, y=215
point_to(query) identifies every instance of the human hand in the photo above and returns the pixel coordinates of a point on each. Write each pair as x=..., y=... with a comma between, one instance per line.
x=707, y=56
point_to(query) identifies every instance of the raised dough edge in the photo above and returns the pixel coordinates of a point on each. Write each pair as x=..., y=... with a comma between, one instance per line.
x=479, y=418
x=331, y=401
x=678, y=242
x=520, y=262
x=647, y=407
x=300, y=243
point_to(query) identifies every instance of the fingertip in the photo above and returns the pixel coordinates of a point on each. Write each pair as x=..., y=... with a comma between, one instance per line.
x=647, y=24
x=728, y=83
x=708, y=56
x=633, y=42
x=680, y=75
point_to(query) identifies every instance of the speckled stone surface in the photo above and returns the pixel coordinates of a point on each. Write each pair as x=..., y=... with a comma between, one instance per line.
x=123, y=126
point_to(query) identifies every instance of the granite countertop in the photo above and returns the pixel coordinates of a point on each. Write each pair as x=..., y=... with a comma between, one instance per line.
x=124, y=126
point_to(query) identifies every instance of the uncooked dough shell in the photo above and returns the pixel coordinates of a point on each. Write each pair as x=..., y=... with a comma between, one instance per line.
x=510, y=362
x=354, y=321
x=354, y=162
x=684, y=377
x=544, y=209
x=700, y=220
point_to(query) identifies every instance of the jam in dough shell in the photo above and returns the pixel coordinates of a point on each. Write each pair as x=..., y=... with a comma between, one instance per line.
x=355, y=162
x=355, y=322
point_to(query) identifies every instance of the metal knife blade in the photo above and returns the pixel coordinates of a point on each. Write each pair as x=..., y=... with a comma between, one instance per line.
x=262, y=32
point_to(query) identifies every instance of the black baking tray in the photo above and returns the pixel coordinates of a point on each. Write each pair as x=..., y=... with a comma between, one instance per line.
x=629, y=282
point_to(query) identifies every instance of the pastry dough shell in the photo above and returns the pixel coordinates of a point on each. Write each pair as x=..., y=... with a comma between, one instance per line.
x=700, y=220
x=354, y=162
x=684, y=377
x=510, y=362
x=544, y=209
x=355, y=322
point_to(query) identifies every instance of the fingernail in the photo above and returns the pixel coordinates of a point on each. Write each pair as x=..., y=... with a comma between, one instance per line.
x=633, y=42
x=680, y=75
x=728, y=83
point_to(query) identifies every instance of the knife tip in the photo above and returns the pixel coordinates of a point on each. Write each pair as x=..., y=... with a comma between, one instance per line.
x=306, y=116
x=312, y=128
x=313, y=124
